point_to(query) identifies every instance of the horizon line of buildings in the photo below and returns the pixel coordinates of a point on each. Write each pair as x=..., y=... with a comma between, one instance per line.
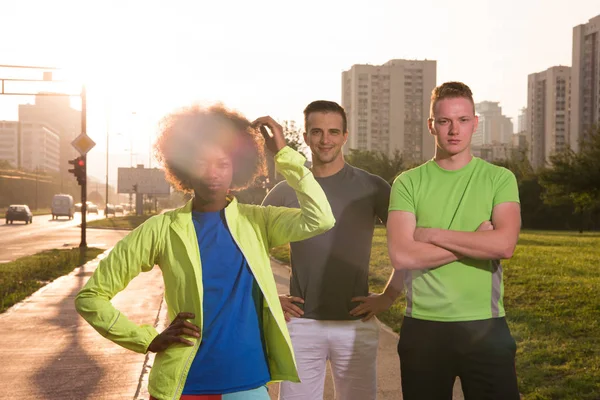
x=563, y=103
x=388, y=105
x=387, y=108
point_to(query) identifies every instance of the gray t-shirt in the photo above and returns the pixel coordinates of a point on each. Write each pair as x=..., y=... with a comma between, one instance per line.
x=330, y=269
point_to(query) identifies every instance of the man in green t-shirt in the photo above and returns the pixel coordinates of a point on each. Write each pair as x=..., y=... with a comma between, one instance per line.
x=450, y=219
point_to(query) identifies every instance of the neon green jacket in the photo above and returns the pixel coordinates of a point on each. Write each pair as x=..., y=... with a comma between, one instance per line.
x=169, y=240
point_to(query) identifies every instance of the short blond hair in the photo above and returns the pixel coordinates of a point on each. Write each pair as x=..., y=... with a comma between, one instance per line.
x=450, y=90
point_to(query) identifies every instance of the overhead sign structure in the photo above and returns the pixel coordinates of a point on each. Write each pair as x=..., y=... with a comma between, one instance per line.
x=143, y=181
x=83, y=143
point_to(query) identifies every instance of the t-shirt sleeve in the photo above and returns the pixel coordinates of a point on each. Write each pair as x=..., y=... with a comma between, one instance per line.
x=506, y=188
x=402, y=194
x=382, y=198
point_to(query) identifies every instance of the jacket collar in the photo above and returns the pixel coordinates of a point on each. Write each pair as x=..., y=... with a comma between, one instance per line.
x=182, y=217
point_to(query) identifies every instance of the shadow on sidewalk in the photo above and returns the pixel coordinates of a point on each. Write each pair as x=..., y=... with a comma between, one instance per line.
x=73, y=373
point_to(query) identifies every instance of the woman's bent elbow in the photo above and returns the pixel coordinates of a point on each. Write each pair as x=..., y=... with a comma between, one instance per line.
x=326, y=223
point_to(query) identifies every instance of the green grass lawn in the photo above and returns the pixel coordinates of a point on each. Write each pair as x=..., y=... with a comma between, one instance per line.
x=553, y=307
x=127, y=222
x=552, y=301
x=22, y=277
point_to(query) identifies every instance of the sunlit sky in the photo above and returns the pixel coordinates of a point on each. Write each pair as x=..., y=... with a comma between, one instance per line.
x=272, y=57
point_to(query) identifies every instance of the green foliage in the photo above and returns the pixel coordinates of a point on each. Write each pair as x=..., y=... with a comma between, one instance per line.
x=378, y=163
x=294, y=137
x=519, y=164
x=574, y=179
x=4, y=164
x=22, y=277
x=549, y=199
x=127, y=222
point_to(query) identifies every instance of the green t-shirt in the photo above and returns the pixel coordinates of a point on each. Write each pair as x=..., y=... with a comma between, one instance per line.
x=468, y=289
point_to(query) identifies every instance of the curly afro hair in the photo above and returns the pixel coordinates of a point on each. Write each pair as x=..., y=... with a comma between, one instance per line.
x=181, y=133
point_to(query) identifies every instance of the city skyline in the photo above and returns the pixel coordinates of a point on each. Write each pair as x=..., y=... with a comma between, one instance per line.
x=149, y=58
x=387, y=107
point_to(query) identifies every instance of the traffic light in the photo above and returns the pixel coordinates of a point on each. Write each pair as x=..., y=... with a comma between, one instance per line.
x=79, y=169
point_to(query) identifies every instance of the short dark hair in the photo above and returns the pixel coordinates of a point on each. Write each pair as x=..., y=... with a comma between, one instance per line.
x=182, y=131
x=450, y=90
x=325, y=106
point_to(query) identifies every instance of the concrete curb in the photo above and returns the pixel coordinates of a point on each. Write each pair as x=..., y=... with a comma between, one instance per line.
x=48, y=285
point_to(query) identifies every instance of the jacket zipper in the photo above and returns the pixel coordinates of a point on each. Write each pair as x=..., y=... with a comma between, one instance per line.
x=257, y=281
x=187, y=364
x=261, y=289
x=196, y=347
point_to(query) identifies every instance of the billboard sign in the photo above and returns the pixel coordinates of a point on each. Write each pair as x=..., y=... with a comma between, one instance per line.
x=148, y=180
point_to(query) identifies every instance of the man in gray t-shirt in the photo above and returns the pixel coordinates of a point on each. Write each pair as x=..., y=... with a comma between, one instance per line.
x=331, y=269
x=329, y=288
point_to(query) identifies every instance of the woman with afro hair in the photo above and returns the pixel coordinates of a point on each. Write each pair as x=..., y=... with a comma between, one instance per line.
x=227, y=337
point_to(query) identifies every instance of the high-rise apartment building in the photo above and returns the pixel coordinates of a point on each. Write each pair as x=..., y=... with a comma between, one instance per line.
x=388, y=106
x=522, y=122
x=40, y=147
x=547, y=113
x=56, y=114
x=9, y=142
x=585, y=80
x=493, y=127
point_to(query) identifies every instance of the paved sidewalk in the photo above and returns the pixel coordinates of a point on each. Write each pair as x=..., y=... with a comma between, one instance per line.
x=50, y=352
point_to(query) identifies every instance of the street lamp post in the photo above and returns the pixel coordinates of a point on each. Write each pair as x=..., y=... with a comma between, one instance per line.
x=84, y=156
x=131, y=153
x=106, y=194
x=107, y=135
x=36, y=187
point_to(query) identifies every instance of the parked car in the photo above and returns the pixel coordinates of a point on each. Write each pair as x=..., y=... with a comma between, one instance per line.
x=109, y=209
x=91, y=207
x=119, y=208
x=62, y=206
x=19, y=212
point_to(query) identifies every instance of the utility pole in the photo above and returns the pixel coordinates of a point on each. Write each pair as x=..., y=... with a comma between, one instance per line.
x=107, y=134
x=84, y=185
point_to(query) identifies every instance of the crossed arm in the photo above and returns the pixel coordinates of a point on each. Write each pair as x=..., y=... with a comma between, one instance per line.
x=413, y=248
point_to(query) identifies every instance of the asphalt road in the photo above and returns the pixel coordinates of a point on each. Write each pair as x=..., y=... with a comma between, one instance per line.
x=18, y=240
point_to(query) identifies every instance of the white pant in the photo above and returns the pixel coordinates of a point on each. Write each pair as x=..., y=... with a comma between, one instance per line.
x=350, y=347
